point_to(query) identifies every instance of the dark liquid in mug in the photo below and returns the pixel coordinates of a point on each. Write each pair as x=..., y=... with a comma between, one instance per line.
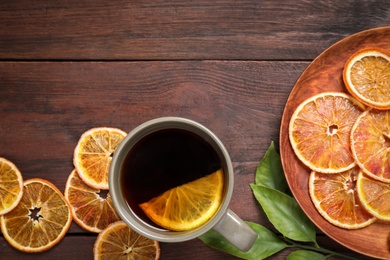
x=163, y=160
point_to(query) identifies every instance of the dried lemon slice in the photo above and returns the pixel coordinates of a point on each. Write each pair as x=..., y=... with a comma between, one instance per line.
x=118, y=241
x=187, y=206
x=375, y=196
x=367, y=77
x=40, y=220
x=93, y=155
x=11, y=186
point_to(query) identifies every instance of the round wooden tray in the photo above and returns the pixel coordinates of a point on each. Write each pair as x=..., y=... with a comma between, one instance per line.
x=325, y=74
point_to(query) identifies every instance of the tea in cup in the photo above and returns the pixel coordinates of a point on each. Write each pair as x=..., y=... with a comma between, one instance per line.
x=171, y=180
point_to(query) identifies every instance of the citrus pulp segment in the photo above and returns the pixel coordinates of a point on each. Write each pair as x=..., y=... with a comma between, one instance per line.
x=11, y=186
x=367, y=77
x=88, y=208
x=319, y=131
x=187, y=206
x=40, y=220
x=93, y=155
x=336, y=199
x=118, y=241
x=375, y=196
x=370, y=143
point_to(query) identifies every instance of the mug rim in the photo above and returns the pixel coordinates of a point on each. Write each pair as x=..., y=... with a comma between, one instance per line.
x=120, y=204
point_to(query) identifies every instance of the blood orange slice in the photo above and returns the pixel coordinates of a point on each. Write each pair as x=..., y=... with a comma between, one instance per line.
x=370, y=143
x=336, y=199
x=90, y=209
x=319, y=131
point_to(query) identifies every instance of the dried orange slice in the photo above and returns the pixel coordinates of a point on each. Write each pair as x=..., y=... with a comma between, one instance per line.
x=319, y=131
x=370, y=143
x=187, y=206
x=375, y=196
x=336, y=199
x=118, y=241
x=11, y=186
x=367, y=77
x=93, y=155
x=40, y=220
x=90, y=209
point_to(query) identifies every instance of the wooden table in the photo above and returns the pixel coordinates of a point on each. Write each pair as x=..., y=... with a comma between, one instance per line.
x=67, y=66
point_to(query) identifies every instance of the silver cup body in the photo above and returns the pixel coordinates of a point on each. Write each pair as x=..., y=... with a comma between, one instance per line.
x=120, y=204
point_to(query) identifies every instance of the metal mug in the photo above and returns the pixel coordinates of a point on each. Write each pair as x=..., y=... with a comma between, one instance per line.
x=224, y=221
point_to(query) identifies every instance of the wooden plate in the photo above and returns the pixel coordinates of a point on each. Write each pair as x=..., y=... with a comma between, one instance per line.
x=325, y=74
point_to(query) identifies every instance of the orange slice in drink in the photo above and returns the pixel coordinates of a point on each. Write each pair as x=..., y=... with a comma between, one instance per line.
x=367, y=77
x=187, y=206
x=40, y=220
x=336, y=199
x=118, y=241
x=319, y=131
x=90, y=209
x=375, y=196
x=93, y=155
x=370, y=143
x=11, y=186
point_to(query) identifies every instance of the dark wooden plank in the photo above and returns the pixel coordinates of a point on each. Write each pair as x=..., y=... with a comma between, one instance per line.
x=70, y=248
x=81, y=247
x=160, y=30
x=46, y=106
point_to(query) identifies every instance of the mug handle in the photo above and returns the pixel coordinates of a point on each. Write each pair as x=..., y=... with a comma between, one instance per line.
x=236, y=231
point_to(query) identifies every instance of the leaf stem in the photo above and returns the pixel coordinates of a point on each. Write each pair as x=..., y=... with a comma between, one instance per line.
x=319, y=249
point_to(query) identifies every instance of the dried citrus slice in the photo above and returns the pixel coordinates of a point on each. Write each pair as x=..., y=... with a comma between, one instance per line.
x=93, y=155
x=336, y=199
x=118, y=241
x=375, y=196
x=187, y=206
x=11, y=186
x=40, y=220
x=367, y=77
x=91, y=209
x=370, y=143
x=319, y=131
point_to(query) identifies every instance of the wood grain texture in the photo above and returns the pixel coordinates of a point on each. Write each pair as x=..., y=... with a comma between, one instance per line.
x=67, y=66
x=194, y=249
x=52, y=103
x=46, y=106
x=180, y=30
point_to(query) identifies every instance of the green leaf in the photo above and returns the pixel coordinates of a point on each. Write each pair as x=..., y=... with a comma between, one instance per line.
x=266, y=244
x=304, y=255
x=285, y=214
x=269, y=172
